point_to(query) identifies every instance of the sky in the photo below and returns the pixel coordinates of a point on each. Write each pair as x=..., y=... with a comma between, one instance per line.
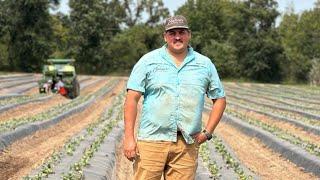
x=299, y=5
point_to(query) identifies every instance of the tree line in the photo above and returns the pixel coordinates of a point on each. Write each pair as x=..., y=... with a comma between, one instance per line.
x=105, y=36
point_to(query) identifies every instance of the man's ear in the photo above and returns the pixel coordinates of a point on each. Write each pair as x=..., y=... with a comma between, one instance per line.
x=164, y=37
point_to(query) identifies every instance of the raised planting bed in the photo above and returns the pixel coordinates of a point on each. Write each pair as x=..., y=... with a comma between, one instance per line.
x=279, y=112
x=276, y=100
x=74, y=151
x=297, y=155
x=309, y=128
x=300, y=112
x=16, y=101
x=18, y=128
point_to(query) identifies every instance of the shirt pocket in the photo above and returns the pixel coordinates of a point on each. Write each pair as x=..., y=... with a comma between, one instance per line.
x=195, y=74
x=194, y=79
x=160, y=73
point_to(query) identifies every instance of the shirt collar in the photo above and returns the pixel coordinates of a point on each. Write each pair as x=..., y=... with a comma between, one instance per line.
x=166, y=56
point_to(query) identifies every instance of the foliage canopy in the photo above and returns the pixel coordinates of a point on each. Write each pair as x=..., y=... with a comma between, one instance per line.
x=241, y=37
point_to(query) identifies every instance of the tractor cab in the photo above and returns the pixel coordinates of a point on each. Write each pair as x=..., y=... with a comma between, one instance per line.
x=60, y=71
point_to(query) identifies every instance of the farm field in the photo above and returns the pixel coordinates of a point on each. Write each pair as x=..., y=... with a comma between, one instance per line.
x=267, y=132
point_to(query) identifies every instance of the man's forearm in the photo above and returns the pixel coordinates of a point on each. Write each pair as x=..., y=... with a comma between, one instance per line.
x=130, y=114
x=216, y=113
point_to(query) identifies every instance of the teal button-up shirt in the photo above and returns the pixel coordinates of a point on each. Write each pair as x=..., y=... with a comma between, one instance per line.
x=173, y=96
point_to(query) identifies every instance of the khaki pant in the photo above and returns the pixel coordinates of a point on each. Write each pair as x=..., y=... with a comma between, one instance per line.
x=173, y=160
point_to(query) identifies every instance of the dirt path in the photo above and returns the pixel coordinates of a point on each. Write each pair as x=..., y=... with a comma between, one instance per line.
x=124, y=167
x=26, y=154
x=32, y=109
x=124, y=170
x=257, y=157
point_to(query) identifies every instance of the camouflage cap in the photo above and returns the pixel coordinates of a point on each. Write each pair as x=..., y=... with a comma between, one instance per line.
x=176, y=22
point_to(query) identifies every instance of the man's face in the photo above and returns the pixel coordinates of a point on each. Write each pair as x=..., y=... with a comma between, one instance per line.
x=177, y=40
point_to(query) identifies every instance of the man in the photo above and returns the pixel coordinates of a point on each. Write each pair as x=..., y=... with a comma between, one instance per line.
x=173, y=81
x=58, y=85
x=47, y=86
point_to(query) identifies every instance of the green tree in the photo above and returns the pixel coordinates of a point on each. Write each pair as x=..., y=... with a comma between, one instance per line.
x=310, y=26
x=209, y=21
x=29, y=33
x=293, y=67
x=3, y=18
x=152, y=10
x=314, y=74
x=262, y=50
x=125, y=54
x=93, y=23
x=61, y=29
x=224, y=57
x=3, y=37
x=241, y=34
x=205, y=19
x=300, y=38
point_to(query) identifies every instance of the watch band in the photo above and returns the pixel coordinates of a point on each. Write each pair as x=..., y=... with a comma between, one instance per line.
x=208, y=135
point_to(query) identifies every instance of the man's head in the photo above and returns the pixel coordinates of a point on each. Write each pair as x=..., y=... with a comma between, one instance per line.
x=177, y=34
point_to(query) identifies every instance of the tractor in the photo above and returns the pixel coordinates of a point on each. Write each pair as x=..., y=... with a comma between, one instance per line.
x=60, y=70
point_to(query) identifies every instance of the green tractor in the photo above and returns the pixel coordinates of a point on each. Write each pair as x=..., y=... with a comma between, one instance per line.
x=63, y=70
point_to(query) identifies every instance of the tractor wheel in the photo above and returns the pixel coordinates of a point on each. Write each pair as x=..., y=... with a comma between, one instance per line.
x=75, y=90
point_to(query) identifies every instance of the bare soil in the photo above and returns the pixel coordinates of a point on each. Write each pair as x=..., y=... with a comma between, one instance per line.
x=257, y=157
x=287, y=127
x=32, y=109
x=24, y=155
x=124, y=167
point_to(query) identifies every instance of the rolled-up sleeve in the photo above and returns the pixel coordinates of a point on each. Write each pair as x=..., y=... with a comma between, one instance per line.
x=137, y=79
x=215, y=89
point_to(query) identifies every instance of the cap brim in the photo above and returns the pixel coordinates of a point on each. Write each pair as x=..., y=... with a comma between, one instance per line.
x=177, y=27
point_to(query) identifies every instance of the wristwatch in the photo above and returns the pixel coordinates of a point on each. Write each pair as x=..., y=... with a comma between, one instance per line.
x=208, y=135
